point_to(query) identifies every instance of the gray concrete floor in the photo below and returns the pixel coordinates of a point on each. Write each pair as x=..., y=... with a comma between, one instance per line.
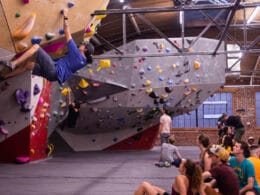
x=89, y=173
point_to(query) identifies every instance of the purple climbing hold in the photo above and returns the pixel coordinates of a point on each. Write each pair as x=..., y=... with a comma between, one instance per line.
x=70, y=4
x=25, y=108
x=19, y=96
x=36, y=89
x=25, y=1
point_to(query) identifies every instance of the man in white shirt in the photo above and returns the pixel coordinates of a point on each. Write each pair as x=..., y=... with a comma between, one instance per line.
x=165, y=126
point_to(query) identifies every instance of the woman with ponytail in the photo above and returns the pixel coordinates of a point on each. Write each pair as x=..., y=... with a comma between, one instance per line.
x=189, y=182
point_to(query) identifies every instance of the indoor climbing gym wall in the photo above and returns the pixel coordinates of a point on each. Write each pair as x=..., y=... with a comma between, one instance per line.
x=121, y=96
x=24, y=22
x=26, y=101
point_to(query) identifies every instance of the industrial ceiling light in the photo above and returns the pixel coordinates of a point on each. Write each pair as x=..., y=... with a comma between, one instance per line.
x=121, y=1
x=253, y=15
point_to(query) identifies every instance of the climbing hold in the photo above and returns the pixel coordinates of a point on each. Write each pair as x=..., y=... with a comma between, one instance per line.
x=161, y=46
x=139, y=110
x=186, y=81
x=36, y=40
x=115, y=139
x=160, y=71
x=65, y=91
x=17, y=15
x=149, y=90
x=83, y=83
x=149, y=68
x=196, y=65
x=36, y=89
x=170, y=82
x=133, y=85
x=49, y=35
x=141, y=72
x=25, y=1
x=193, y=89
x=96, y=84
x=147, y=83
x=41, y=100
x=174, y=66
x=90, y=31
x=22, y=159
x=32, y=151
x=4, y=132
x=145, y=49
x=61, y=31
x=106, y=63
x=168, y=50
x=135, y=66
x=153, y=95
x=168, y=89
x=21, y=96
x=99, y=17
x=63, y=104
x=70, y=4
x=24, y=29
x=161, y=78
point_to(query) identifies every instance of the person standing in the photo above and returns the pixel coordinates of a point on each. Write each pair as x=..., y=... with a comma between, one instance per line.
x=236, y=123
x=165, y=126
x=244, y=169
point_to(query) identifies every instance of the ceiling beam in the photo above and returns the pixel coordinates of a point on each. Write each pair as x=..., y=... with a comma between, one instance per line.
x=229, y=19
x=172, y=9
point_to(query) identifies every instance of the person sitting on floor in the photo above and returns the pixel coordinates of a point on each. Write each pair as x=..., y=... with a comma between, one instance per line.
x=169, y=154
x=189, y=182
x=44, y=66
x=205, y=161
x=223, y=175
x=244, y=169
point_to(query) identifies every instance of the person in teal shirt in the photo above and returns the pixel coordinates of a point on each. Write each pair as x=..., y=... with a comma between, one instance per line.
x=244, y=169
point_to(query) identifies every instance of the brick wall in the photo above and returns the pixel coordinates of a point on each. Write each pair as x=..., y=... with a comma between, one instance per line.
x=243, y=99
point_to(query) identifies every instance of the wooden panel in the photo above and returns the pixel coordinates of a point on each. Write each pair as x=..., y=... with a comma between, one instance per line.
x=5, y=40
x=48, y=17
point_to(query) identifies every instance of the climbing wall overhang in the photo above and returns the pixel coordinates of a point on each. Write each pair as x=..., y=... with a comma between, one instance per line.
x=155, y=76
x=25, y=107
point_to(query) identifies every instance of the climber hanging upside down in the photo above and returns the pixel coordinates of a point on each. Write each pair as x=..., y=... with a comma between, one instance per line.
x=43, y=65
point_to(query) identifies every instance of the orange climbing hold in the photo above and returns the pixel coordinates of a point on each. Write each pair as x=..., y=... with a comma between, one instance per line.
x=196, y=65
x=24, y=29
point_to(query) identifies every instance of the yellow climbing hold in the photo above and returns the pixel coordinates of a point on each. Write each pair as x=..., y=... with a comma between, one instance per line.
x=196, y=65
x=105, y=63
x=90, y=31
x=65, y=91
x=99, y=17
x=83, y=83
x=147, y=83
x=149, y=90
x=174, y=66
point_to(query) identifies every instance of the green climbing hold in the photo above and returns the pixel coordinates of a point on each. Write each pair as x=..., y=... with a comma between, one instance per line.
x=17, y=15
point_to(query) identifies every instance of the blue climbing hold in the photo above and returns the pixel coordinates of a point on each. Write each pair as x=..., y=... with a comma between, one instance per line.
x=36, y=40
x=70, y=4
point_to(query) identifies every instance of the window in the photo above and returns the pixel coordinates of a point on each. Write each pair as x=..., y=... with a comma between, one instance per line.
x=257, y=105
x=207, y=113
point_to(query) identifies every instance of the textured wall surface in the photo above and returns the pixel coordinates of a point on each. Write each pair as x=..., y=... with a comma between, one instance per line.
x=122, y=95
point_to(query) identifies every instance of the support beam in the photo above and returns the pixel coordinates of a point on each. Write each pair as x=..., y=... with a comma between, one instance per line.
x=174, y=9
x=229, y=19
x=155, y=29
